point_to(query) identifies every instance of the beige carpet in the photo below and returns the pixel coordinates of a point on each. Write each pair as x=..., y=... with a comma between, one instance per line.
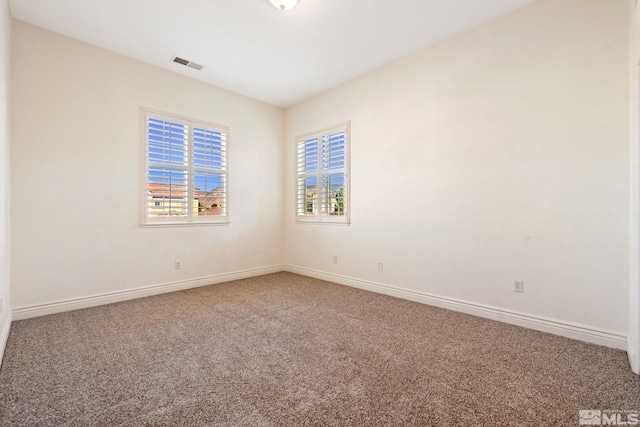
x=286, y=350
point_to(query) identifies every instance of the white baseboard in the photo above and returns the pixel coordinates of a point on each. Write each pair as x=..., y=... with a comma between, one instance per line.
x=558, y=327
x=4, y=336
x=589, y=334
x=27, y=312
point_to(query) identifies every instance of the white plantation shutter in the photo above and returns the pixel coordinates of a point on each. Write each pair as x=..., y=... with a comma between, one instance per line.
x=210, y=171
x=308, y=162
x=186, y=174
x=322, y=176
x=167, y=172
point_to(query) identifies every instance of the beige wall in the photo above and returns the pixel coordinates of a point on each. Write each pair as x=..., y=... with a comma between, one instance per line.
x=498, y=155
x=5, y=319
x=634, y=223
x=77, y=158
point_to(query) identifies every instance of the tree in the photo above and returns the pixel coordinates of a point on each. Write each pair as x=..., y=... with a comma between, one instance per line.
x=338, y=208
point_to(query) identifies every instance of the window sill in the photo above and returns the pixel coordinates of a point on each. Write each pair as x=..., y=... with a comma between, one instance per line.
x=315, y=222
x=183, y=224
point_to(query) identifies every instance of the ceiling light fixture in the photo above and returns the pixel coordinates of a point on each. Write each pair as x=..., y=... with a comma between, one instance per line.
x=284, y=4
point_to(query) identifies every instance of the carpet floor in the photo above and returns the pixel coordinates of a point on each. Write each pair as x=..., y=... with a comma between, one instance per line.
x=288, y=350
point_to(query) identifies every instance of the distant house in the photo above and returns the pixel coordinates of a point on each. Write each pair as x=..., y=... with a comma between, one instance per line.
x=172, y=200
x=209, y=202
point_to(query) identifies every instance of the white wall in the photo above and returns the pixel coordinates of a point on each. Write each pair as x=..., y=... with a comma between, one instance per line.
x=5, y=313
x=497, y=155
x=633, y=347
x=77, y=159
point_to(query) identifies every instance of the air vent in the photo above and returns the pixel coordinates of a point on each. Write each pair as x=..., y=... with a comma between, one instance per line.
x=180, y=61
x=188, y=63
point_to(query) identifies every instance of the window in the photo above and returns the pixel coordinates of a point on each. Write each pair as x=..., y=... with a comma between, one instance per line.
x=323, y=181
x=186, y=171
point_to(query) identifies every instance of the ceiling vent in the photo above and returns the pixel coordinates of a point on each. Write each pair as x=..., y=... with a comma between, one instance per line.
x=188, y=63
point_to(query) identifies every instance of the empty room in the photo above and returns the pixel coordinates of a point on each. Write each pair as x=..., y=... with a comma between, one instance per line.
x=319, y=212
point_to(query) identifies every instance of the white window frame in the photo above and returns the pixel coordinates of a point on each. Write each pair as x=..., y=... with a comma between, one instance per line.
x=322, y=213
x=189, y=168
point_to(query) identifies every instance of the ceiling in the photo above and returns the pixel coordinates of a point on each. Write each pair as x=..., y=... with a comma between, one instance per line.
x=251, y=48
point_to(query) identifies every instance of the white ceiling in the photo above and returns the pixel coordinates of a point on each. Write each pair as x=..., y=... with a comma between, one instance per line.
x=250, y=47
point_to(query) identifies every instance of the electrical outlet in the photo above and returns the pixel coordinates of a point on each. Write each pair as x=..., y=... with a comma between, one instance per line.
x=518, y=286
x=335, y=259
x=178, y=265
x=380, y=267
